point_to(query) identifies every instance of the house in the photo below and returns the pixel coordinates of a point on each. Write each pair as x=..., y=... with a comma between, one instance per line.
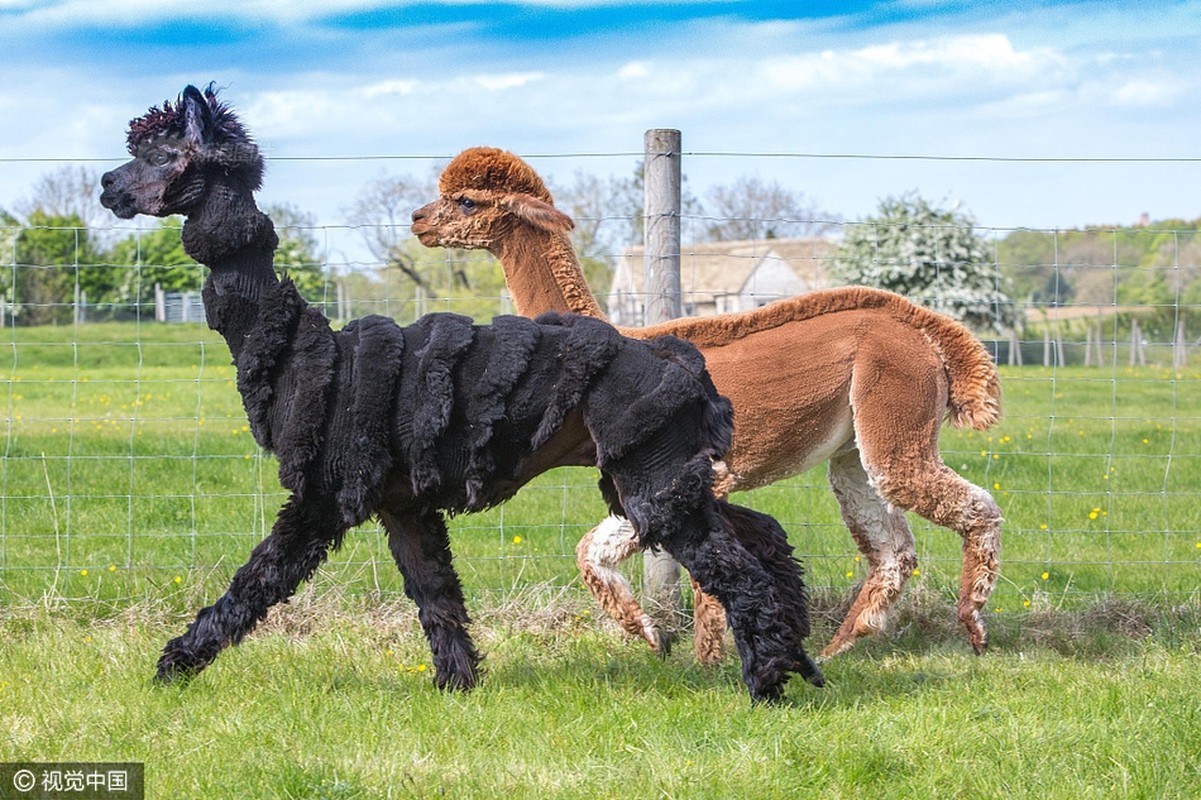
x=720, y=277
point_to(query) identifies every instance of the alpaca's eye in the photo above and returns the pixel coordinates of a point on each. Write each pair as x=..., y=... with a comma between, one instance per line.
x=467, y=205
x=160, y=158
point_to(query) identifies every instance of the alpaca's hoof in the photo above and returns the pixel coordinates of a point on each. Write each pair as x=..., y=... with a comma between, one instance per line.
x=177, y=667
x=809, y=670
x=664, y=641
x=767, y=695
x=977, y=635
x=456, y=681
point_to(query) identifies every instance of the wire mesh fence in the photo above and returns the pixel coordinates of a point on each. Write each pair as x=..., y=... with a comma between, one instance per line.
x=128, y=468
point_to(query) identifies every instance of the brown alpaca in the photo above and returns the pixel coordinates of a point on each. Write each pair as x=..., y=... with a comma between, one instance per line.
x=858, y=377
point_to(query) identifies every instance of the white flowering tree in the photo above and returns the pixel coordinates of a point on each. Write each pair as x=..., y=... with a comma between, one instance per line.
x=932, y=256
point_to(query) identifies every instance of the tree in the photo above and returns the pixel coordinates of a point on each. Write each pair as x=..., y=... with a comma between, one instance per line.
x=10, y=230
x=153, y=258
x=749, y=208
x=70, y=191
x=54, y=256
x=608, y=218
x=383, y=211
x=932, y=256
x=465, y=281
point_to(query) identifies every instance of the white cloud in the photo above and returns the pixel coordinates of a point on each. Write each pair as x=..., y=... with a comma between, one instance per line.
x=128, y=13
x=1142, y=93
x=634, y=70
x=514, y=80
x=798, y=86
x=388, y=88
x=913, y=65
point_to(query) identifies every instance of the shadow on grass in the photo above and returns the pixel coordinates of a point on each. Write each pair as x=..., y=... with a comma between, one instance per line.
x=924, y=622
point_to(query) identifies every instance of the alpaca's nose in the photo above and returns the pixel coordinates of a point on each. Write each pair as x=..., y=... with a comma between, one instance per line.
x=419, y=214
x=106, y=180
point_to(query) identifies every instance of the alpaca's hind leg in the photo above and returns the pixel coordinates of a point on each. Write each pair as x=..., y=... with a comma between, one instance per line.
x=948, y=500
x=762, y=607
x=708, y=626
x=298, y=543
x=597, y=556
x=885, y=540
x=908, y=472
x=421, y=547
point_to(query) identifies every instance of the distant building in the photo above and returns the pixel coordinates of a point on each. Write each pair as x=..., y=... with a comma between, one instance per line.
x=720, y=277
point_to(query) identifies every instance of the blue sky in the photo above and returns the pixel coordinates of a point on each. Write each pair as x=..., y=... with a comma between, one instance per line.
x=1036, y=82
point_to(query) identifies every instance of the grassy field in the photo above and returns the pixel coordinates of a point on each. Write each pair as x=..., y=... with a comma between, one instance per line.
x=333, y=700
x=131, y=489
x=129, y=472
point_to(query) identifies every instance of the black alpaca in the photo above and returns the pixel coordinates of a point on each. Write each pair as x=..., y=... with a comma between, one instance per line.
x=443, y=416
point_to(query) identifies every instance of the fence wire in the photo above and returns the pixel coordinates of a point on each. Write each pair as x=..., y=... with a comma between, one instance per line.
x=128, y=468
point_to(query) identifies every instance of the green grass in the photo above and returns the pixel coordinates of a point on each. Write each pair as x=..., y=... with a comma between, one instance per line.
x=130, y=490
x=128, y=470
x=332, y=699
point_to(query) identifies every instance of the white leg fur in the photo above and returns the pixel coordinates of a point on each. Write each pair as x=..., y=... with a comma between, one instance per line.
x=597, y=556
x=883, y=536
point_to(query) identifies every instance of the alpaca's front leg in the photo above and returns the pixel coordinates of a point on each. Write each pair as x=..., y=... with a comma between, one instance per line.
x=598, y=555
x=420, y=545
x=297, y=545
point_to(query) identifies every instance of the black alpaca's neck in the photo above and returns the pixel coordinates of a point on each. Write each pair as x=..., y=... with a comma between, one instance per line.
x=228, y=234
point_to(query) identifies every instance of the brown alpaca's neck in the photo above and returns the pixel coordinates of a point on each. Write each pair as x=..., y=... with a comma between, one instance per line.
x=543, y=273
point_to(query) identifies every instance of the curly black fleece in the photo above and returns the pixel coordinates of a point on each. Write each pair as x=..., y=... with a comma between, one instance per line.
x=454, y=406
x=445, y=416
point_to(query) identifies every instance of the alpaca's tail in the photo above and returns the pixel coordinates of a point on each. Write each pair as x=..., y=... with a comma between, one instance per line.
x=975, y=388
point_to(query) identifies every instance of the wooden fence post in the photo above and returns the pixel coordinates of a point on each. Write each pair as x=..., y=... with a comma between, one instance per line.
x=1180, y=348
x=1137, y=356
x=661, y=212
x=1015, y=349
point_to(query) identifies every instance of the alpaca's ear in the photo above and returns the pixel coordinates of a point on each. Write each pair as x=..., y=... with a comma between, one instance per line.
x=539, y=213
x=198, y=117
